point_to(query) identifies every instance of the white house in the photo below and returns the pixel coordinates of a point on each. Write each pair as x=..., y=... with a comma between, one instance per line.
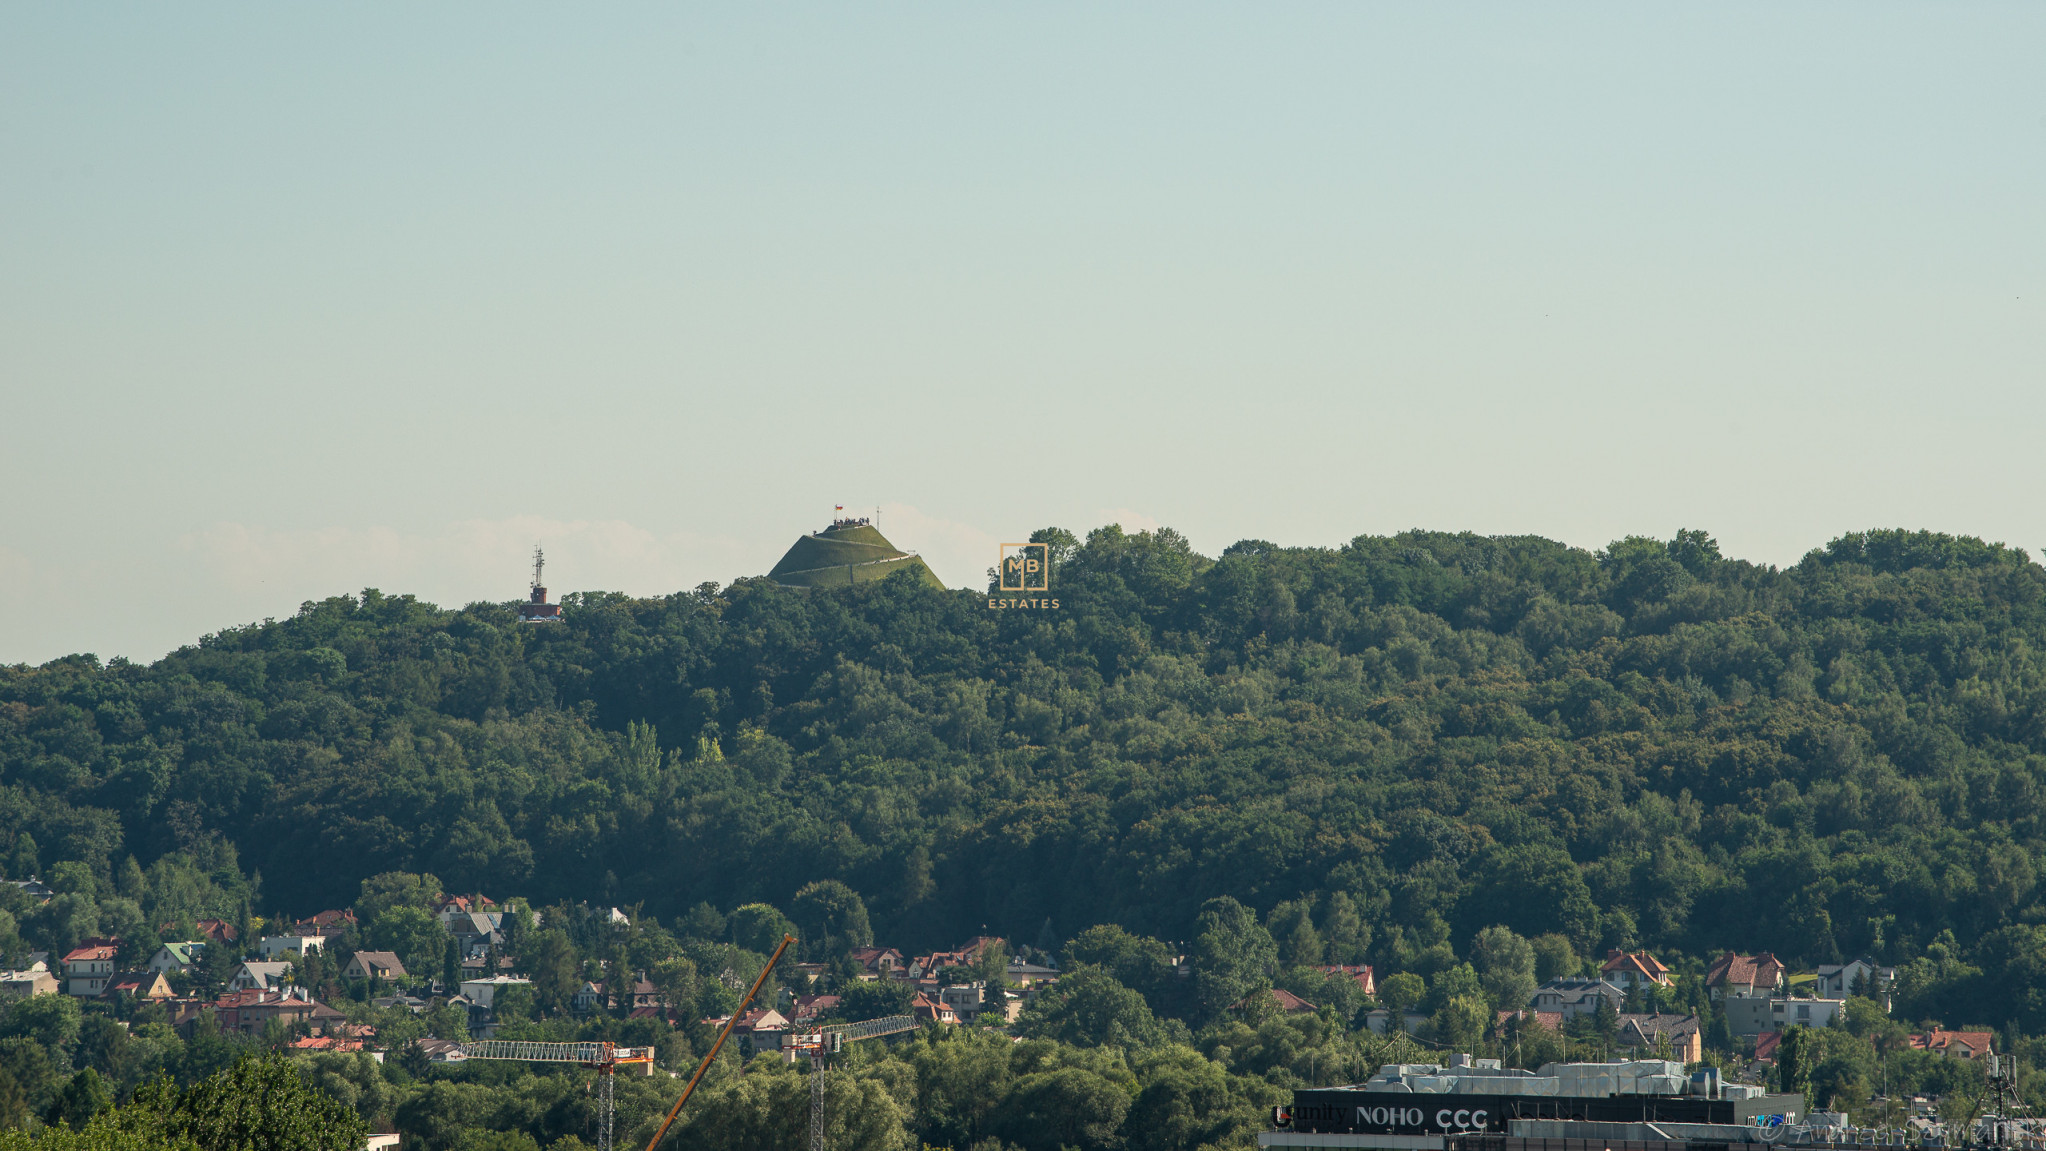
x=276, y=945
x=1574, y=997
x=1837, y=980
x=88, y=967
x=179, y=957
x=259, y=975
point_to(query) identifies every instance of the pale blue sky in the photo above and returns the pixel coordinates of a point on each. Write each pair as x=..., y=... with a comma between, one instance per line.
x=296, y=299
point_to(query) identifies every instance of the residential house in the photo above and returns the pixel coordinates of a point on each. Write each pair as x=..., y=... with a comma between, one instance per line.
x=1633, y=969
x=587, y=998
x=602, y=994
x=177, y=957
x=326, y=1043
x=1524, y=1020
x=374, y=965
x=412, y=1003
x=879, y=962
x=760, y=1019
x=35, y=889
x=246, y=1012
x=1765, y=1047
x=1839, y=980
x=441, y=1050
x=809, y=1007
x=1031, y=974
x=1287, y=1002
x=147, y=983
x=273, y=946
x=260, y=975
x=1290, y=1002
x=968, y=1000
x=1955, y=1044
x=965, y=955
x=484, y=992
x=88, y=966
x=1744, y=975
x=326, y=924
x=760, y=1029
x=1358, y=973
x=1573, y=997
x=927, y=1010
x=1754, y=1014
x=216, y=930
x=452, y=907
x=1663, y=1036
x=473, y=967
x=28, y=983
x=475, y=932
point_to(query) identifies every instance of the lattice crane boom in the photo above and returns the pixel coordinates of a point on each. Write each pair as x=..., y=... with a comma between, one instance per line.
x=605, y=1057
x=820, y=1045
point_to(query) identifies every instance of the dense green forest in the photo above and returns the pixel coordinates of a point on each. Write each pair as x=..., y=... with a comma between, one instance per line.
x=1379, y=749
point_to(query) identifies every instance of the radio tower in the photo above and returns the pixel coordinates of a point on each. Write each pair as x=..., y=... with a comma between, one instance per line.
x=537, y=609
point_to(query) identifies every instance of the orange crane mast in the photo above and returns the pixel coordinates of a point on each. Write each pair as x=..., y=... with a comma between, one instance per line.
x=723, y=1033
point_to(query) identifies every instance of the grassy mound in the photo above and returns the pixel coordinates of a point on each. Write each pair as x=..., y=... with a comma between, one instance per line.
x=838, y=556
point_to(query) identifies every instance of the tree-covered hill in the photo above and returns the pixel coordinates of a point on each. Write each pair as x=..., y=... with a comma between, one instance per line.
x=1378, y=747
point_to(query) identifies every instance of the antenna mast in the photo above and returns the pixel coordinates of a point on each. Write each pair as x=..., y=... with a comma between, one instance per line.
x=536, y=609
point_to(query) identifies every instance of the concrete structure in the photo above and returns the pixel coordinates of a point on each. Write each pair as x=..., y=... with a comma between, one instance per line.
x=1754, y=1014
x=25, y=984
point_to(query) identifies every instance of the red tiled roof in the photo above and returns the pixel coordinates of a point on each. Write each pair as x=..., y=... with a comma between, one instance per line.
x=92, y=949
x=1551, y=1020
x=1977, y=1042
x=810, y=1005
x=1744, y=970
x=1765, y=1046
x=326, y=1043
x=1288, y=1002
x=1359, y=972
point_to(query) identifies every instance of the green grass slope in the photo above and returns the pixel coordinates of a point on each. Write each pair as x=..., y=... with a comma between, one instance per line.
x=837, y=557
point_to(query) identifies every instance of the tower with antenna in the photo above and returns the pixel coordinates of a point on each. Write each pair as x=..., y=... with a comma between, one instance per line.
x=537, y=609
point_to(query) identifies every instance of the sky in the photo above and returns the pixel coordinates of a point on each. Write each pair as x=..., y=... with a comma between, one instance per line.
x=301, y=299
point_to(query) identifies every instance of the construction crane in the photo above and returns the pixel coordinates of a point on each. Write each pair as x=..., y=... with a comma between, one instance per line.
x=829, y=1040
x=605, y=1057
x=723, y=1033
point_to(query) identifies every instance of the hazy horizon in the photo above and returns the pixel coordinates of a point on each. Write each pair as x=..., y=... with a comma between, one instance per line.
x=300, y=301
